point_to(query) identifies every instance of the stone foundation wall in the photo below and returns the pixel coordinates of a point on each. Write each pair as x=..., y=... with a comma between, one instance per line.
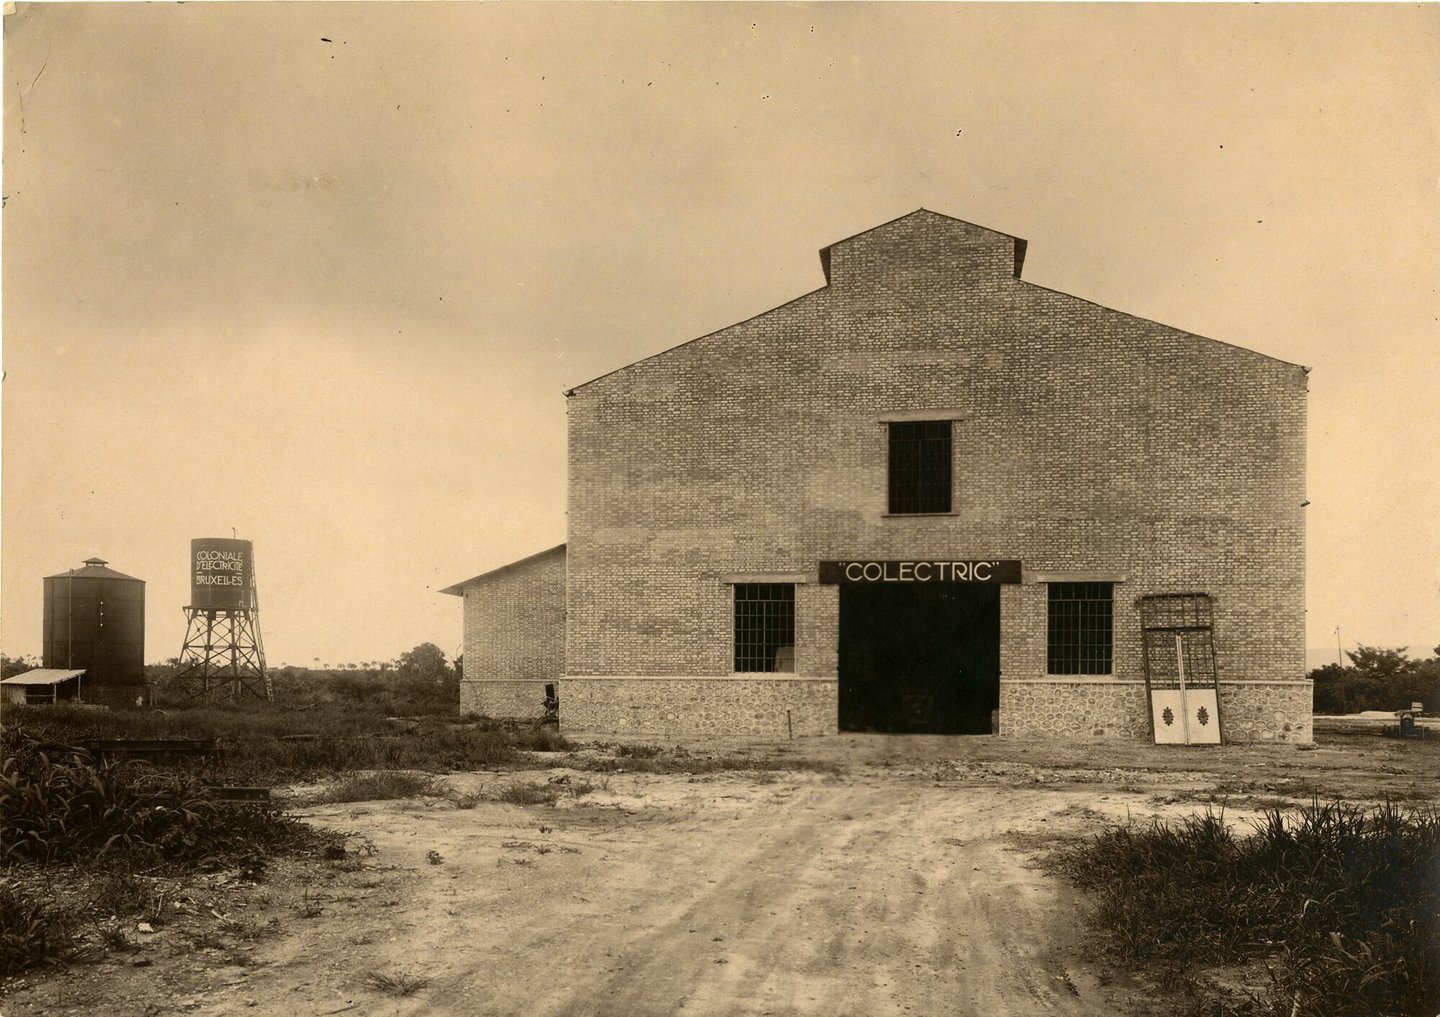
x=1106, y=708
x=1079, y=708
x=680, y=707
x=521, y=699
x=1267, y=711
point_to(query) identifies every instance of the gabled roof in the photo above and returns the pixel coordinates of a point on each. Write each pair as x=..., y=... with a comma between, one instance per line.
x=42, y=676
x=458, y=590
x=825, y=265
x=1020, y=246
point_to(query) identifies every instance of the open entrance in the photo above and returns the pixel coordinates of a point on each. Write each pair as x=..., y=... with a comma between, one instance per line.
x=919, y=657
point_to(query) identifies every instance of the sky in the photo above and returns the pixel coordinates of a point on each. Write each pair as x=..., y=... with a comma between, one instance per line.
x=318, y=275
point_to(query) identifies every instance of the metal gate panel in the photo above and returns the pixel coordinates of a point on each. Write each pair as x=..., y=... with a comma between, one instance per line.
x=1190, y=717
x=1181, y=683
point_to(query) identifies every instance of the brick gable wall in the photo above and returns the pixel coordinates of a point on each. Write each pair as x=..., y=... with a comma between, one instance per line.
x=1085, y=439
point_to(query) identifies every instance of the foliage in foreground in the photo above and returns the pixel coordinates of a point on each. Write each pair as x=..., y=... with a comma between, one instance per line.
x=32, y=931
x=265, y=743
x=1342, y=904
x=108, y=821
x=71, y=808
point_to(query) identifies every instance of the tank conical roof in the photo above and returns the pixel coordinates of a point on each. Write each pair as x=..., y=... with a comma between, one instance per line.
x=95, y=568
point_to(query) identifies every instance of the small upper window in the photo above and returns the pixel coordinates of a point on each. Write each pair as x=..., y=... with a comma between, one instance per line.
x=920, y=471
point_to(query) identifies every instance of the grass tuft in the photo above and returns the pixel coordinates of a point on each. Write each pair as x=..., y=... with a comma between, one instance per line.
x=401, y=983
x=32, y=930
x=385, y=785
x=529, y=794
x=1341, y=903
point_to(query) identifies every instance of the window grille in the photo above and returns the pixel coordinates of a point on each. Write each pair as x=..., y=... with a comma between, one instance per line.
x=920, y=466
x=764, y=627
x=1081, y=628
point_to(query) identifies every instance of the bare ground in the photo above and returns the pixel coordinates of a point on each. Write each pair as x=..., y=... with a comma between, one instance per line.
x=907, y=883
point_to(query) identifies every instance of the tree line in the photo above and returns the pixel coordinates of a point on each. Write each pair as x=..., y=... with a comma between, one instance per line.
x=1378, y=679
x=419, y=681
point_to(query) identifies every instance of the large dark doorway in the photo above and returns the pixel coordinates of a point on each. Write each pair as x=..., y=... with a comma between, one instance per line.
x=919, y=657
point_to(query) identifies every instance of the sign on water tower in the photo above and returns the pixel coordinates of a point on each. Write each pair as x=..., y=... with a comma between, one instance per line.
x=222, y=574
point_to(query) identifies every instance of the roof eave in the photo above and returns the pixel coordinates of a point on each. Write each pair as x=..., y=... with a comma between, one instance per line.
x=458, y=590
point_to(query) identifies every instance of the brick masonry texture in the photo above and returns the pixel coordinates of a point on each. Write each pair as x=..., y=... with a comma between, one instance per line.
x=1086, y=440
x=514, y=636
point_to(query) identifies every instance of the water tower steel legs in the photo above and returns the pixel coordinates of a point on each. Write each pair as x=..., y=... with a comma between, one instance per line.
x=223, y=653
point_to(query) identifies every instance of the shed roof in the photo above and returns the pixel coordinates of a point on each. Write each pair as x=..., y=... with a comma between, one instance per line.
x=43, y=676
x=458, y=590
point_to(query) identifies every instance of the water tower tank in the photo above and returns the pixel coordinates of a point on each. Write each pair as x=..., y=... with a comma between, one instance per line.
x=222, y=574
x=95, y=619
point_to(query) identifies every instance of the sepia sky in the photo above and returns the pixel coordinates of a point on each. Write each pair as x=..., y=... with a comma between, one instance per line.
x=328, y=294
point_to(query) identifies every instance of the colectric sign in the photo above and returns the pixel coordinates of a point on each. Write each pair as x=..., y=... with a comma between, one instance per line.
x=989, y=570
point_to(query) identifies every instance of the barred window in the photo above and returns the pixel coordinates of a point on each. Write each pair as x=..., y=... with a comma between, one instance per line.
x=1081, y=628
x=764, y=627
x=920, y=473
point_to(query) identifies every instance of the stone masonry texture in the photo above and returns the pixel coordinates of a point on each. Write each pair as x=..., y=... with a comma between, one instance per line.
x=1249, y=711
x=1086, y=441
x=762, y=706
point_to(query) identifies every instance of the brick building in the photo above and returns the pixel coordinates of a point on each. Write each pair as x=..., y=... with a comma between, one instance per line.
x=928, y=496
x=514, y=642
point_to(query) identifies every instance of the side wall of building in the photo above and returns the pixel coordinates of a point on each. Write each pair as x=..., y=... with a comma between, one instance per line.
x=1086, y=441
x=514, y=637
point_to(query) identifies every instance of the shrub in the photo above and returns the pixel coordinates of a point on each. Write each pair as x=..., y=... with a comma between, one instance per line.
x=373, y=787
x=73, y=808
x=1344, y=901
x=266, y=744
x=540, y=738
x=529, y=794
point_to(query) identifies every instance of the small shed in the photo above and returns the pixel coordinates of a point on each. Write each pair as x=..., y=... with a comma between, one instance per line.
x=41, y=686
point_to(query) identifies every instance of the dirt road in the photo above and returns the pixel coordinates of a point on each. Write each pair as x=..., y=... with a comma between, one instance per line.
x=903, y=886
x=875, y=895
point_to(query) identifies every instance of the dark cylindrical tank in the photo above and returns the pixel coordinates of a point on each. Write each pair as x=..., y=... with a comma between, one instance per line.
x=222, y=574
x=95, y=620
